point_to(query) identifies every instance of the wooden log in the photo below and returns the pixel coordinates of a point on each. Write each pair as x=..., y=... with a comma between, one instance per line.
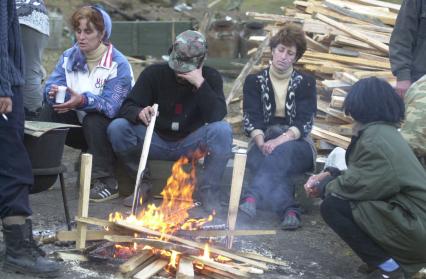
x=337, y=102
x=165, y=245
x=382, y=74
x=272, y=17
x=324, y=106
x=169, y=237
x=151, y=269
x=83, y=202
x=345, y=77
x=358, y=35
x=339, y=92
x=234, y=199
x=373, y=57
x=234, y=120
x=94, y=221
x=331, y=137
x=247, y=68
x=314, y=45
x=370, y=27
x=344, y=52
x=312, y=9
x=347, y=60
x=220, y=266
x=330, y=84
x=392, y=6
x=185, y=269
x=353, y=13
x=219, y=233
x=135, y=261
x=73, y=235
x=143, y=159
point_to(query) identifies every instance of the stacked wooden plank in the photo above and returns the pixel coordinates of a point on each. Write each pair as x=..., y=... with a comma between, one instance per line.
x=347, y=41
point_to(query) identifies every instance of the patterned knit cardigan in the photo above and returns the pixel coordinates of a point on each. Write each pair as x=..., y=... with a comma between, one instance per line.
x=259, y=102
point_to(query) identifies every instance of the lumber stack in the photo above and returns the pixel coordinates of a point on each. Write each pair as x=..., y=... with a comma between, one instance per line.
x=347, y=41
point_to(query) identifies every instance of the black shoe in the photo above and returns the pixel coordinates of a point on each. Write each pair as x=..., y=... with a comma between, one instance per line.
x=381, y=274
x=209, y=200
x=23, y=255
x=248, y=208
x=144, y=196
x=291, y=221
x=104, y=190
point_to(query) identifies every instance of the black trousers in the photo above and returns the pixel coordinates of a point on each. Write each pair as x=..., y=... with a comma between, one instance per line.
x=15, y=167
x=337, y=214
x=91, y=138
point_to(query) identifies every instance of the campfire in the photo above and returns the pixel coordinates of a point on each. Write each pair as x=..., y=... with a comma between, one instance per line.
x=172, y=214
x=160, y=239
x=160, y=248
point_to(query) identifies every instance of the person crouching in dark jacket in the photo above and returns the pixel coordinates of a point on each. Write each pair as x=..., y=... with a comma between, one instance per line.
x=378, y=205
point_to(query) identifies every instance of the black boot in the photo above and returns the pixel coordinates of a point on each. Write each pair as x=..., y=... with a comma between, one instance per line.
x=23, y=255
x=130, y=158
x=209, y=199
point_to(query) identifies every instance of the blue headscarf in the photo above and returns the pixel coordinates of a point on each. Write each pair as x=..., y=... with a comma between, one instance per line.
x=107, y=22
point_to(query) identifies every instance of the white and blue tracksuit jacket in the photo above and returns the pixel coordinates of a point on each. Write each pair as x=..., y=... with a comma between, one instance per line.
x=103, y=89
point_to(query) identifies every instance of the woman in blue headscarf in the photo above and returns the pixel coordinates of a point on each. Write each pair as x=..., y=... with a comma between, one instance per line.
x=97, y=78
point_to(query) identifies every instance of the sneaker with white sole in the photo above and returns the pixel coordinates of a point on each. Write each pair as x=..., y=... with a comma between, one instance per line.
x=104, y=190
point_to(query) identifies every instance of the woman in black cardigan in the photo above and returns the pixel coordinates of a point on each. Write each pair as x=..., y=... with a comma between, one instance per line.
x=279, y=107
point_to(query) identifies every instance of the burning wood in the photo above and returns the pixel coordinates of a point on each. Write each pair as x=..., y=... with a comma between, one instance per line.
x=155, y=245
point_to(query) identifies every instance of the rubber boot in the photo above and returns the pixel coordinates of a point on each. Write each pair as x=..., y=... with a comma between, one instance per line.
x=23, y=255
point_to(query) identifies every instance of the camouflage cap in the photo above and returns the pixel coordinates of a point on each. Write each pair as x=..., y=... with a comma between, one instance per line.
x=188, y=51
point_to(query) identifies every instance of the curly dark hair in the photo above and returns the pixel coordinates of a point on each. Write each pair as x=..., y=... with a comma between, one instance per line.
x=373, y=99
x=291, y=34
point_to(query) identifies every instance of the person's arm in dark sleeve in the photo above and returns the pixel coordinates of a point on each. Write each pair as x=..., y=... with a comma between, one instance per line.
x=403, y=39
x=252, y=107
x=210, y=97
x=139, y=97
x=306, y=107
x=5, y=87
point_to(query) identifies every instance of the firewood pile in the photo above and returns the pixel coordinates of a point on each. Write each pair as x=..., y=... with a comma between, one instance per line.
x=148, y=252
x=347, y=41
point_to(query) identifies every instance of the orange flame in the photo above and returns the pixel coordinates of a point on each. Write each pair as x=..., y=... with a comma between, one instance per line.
x=206, y=254
x=172, y=214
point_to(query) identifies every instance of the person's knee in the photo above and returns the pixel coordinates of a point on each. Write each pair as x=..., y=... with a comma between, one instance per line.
x=222, y=133
x=117, y=131
x=327, y=208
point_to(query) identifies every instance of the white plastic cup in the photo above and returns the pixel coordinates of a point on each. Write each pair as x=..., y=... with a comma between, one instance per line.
x=60, y=95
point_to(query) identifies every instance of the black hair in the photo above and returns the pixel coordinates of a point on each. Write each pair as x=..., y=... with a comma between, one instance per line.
x=373, y=99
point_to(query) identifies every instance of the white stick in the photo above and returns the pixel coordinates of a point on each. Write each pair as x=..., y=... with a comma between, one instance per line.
x=144, y=157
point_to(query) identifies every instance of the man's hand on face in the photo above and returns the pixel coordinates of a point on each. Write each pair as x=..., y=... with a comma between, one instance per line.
x=194, y=77
x=146, y=114
x=5, y=104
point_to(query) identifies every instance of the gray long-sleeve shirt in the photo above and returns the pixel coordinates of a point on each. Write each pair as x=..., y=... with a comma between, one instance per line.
x=407, y=49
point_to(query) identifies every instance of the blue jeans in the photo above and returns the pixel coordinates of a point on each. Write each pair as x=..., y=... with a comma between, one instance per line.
x=271, y=184
x=214, y=138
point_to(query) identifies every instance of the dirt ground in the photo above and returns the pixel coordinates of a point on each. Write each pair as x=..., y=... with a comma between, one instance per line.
x=312, y=252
